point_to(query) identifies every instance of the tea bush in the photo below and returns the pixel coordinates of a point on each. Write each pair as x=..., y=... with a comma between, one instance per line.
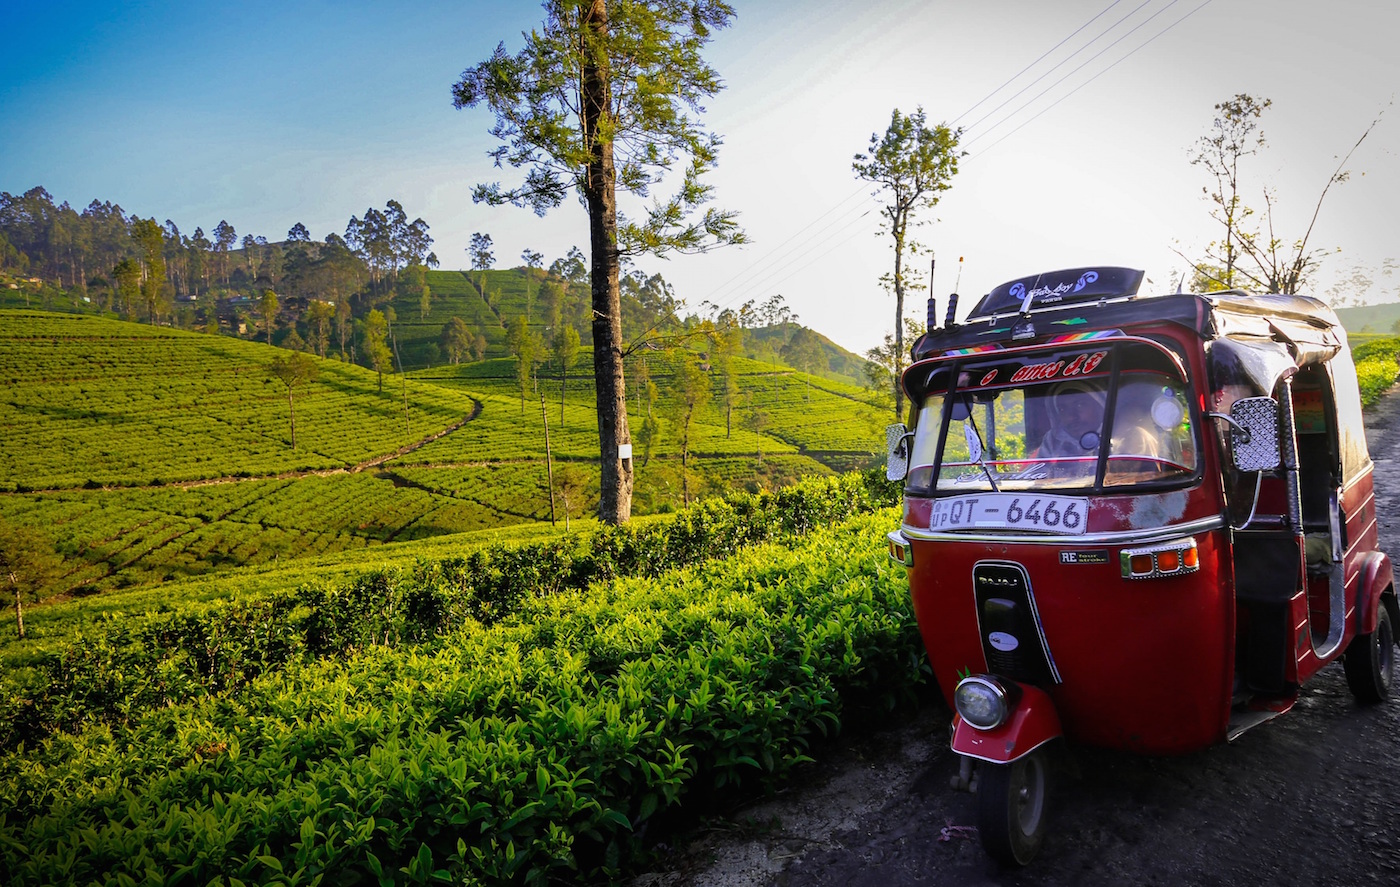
x=533, y=749
x=1376, y=367
x=141, y=664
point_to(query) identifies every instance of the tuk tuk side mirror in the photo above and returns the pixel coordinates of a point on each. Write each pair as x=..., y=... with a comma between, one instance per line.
x=1254, y=433
x=897, y=451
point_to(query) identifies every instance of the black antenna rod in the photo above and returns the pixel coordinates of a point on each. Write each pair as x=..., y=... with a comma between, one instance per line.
x=953, y=296
x=932, y=318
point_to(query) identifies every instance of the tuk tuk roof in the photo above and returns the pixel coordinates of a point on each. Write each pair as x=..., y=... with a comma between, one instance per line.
x=1308, y=327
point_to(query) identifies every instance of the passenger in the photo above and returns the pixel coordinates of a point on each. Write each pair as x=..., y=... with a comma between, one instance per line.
x=1076, y=413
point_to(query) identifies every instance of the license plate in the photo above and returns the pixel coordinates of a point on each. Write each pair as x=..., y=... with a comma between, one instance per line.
x=1010, y=511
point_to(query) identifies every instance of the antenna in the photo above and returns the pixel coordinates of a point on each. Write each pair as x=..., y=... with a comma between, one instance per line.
x=953, y=296
x=1030, y=295
x=932, y=318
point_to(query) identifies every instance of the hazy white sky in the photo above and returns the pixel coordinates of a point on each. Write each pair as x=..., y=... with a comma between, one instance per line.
x=269, y=114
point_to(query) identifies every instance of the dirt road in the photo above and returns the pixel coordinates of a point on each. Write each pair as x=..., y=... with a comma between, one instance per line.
x=1310, y=798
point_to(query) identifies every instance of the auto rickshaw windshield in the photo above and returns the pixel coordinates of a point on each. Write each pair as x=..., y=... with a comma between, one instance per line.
x=1044, y=431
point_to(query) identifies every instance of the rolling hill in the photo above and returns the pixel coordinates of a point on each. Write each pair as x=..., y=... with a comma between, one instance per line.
x=513, y=292
x=149, y=454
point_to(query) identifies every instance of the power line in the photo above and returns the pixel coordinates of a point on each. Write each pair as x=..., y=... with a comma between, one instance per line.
x=760, y=282
x=1063, y=62
x=1086, y=63
x=1036, y=62
x=777, y=250
x=755, y=281
x=1098, y=75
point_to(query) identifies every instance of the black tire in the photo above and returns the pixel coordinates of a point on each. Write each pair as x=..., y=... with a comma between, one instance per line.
x=1370, y=661
x=1012, y=801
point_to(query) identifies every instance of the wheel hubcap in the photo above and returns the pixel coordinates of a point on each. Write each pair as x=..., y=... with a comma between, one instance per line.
x=1030, y=794
x=1385, y=654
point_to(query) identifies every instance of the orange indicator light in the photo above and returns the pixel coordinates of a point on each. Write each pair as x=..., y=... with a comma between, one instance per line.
x=1191, y=559
x=1142, y=564
x=1168, y=561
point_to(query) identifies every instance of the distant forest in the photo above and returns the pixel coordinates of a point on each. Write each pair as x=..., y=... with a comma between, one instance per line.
x=320, y=296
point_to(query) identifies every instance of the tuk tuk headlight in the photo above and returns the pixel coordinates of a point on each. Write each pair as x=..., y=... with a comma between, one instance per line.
x=982, y=702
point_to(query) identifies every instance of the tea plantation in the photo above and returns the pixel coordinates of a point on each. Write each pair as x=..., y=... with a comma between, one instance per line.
x=515, y=714
x=371, y=657
x=148, y=454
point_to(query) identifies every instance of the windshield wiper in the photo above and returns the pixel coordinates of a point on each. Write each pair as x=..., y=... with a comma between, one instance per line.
x=982, y=452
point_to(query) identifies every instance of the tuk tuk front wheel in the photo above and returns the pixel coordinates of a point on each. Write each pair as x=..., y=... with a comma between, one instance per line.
x=1370, y=661
x=1011, y=808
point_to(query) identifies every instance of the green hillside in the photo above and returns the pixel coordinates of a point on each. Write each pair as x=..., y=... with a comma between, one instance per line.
x=511, y=293
x=1379, y=319
x=148, y=455
x=843, y=364
x=96, y=402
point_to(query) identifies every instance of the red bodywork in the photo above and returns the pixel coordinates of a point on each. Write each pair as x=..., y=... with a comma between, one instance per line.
x=1146, y=665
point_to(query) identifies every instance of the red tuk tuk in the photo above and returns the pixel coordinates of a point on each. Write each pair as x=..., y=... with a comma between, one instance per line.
x=1138, y=523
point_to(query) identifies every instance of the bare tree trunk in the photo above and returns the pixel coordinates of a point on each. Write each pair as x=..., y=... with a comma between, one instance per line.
x=615, y=481
x=685, y=473
x=898, y=228
x=403, y=377
x=19, y=612
x=548, y=460
x=292, y=412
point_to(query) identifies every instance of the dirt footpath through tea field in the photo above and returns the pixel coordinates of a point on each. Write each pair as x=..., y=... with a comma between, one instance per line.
x=1312, y=797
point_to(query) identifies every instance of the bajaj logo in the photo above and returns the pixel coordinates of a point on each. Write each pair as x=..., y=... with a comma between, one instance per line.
x=997, y=581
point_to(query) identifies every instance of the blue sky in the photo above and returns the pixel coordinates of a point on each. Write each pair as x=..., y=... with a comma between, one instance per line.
x=270, y=114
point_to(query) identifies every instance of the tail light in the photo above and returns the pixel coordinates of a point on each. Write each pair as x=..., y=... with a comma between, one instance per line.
x=900, y=550
x=1175, y=558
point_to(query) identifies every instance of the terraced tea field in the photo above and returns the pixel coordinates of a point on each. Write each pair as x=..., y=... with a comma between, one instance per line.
x=149, y=455
x=94, y=402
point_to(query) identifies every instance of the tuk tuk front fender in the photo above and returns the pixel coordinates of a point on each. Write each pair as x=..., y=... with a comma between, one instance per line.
x=1032, y=723
x=1377, y=576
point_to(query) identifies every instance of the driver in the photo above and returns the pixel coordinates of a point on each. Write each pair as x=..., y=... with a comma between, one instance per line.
x=1138, y=444
x=1076, y=412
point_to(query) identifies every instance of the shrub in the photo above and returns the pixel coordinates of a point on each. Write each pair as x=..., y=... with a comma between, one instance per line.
x=216, y=648
x=528, y=751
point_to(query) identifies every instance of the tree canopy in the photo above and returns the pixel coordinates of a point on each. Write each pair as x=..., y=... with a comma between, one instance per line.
x=911, y=165
x=28, y=563
x=1253, y=252
x=605, y=98
x=293, y=369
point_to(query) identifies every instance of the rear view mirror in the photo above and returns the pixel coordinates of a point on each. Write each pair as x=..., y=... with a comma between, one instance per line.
x=1254, y=433
x=897, y=450
x=962, y=408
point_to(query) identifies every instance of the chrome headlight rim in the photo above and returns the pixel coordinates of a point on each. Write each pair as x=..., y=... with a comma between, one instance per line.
x=994, y=695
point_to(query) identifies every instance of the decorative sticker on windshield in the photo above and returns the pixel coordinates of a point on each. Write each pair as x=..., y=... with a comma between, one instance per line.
x=1059, y=369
